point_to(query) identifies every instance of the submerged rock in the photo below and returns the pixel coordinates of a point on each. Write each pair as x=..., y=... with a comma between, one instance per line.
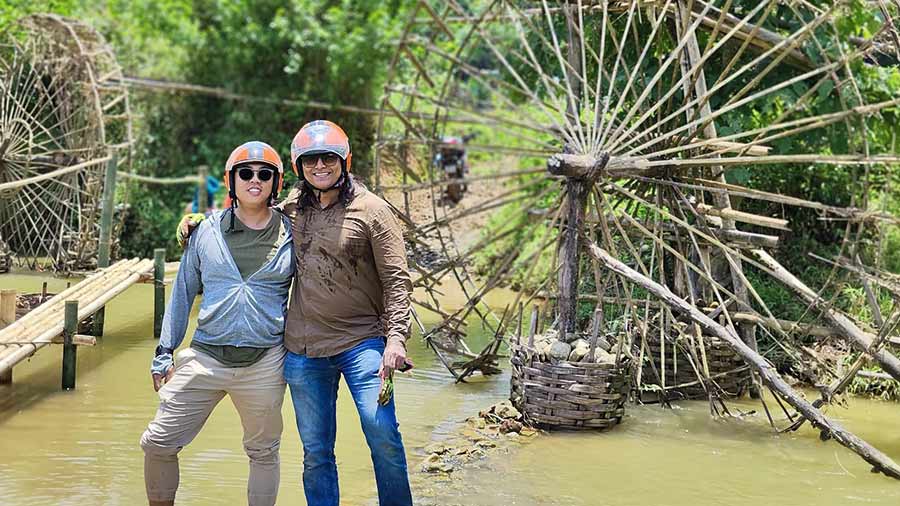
x=510, y=426
x=505, y=409
x=437, y=448
x=434, y=464
x=486, y=443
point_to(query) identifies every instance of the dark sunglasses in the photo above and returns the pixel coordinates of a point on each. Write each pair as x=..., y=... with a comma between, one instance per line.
x=328, y=159
x=263, y=174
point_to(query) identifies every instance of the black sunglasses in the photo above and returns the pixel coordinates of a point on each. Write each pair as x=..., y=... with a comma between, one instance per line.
x=328, y=159
x=264, y=175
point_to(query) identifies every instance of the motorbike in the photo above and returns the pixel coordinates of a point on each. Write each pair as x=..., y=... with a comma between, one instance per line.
x=451, y=160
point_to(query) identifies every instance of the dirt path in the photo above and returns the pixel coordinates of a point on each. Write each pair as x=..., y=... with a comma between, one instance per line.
x=464, y=231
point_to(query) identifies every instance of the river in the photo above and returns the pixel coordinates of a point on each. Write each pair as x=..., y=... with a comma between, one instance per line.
x=81, y=447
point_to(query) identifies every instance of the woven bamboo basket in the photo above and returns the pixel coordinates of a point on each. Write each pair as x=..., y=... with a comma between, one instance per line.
x=726, y=369
x=565, y=395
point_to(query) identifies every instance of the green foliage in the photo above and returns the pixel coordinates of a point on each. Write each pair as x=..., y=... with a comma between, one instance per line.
x=332, y=52
x=12, y=10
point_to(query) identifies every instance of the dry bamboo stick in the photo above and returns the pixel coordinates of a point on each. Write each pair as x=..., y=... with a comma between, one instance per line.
x=618, y=135
x=761, y=40
x=847, y=328
x=743, y=217
x=864, y=273
x=846, y=212
x=487, y=80
x=51, y=175
x=795, y=39
x=53, y=309
x=881, y=462
x=551, y=115
x=787, y=325
x=657, y=23
x=158, y=85
x=466, y=180
x=683, y=38
x=777, y=159
x=157, y=180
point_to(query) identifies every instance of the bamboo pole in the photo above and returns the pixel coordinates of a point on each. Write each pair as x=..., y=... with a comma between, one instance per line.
x=734, y=215
x=157, y=180
x=53, y=308
x=159, y=290
x=103, y=254
x=847, y=328
x=69, y=350
x=50, y=175
x=690, y=58
x=202, y=196
x=7, y=317
x=10, y=357
x=830, y=429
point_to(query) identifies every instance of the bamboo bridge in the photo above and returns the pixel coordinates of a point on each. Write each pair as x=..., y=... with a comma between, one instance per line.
x=56, y=320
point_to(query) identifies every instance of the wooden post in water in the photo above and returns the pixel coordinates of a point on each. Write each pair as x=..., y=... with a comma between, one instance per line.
x=576, y=193
x=579, y=171
x=159, y=290
x=69, y=348
x=202, y=195
x=7, y=317
x=533, y=325
x=569, y=257
x=106, y=219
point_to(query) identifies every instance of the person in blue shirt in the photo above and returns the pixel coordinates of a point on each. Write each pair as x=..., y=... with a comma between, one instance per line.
x=212, y=187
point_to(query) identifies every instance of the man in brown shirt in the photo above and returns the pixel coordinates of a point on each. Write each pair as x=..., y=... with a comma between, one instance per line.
x=348, y=315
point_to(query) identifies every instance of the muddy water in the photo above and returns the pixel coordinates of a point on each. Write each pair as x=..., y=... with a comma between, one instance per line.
x=80, y=447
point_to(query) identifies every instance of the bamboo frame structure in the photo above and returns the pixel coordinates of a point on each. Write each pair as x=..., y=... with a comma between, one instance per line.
x=625, y=102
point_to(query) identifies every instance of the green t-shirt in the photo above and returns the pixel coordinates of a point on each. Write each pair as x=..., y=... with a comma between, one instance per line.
x=250, y=249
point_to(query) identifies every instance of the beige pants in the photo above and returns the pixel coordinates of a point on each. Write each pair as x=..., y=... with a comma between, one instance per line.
x=199, y=383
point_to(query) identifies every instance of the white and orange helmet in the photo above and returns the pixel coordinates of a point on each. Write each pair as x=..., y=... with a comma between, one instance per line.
x=255, y=152
x=317, y=137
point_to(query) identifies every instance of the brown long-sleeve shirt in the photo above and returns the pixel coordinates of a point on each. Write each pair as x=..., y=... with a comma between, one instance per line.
x=351, y=278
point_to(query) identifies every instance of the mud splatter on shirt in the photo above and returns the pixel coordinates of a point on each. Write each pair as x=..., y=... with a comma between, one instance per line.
x=351, y=280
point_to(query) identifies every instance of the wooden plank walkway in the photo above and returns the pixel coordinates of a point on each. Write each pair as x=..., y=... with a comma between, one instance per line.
x=38, y=328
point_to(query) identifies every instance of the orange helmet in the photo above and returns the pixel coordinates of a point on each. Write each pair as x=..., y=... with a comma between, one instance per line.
x=255, y=152
x=320, y=136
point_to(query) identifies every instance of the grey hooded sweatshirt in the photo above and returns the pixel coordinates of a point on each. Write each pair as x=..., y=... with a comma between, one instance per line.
x=233, y=311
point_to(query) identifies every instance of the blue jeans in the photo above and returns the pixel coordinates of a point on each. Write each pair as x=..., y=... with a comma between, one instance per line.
x=314, y=387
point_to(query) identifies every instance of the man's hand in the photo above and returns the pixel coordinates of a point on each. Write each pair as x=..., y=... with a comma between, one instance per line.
x=394, y=359
x=162, y=368
x=394, y=356
x=159, y=380
x=186, y=226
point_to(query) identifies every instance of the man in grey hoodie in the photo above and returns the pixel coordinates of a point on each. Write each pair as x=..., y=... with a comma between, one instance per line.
x=243, y=260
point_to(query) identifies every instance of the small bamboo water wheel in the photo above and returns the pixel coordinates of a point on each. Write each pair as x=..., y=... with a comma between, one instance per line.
x=63, y=112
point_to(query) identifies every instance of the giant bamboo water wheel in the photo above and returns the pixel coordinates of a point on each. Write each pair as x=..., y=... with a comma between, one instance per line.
x=619, y=129
x=63, y=114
